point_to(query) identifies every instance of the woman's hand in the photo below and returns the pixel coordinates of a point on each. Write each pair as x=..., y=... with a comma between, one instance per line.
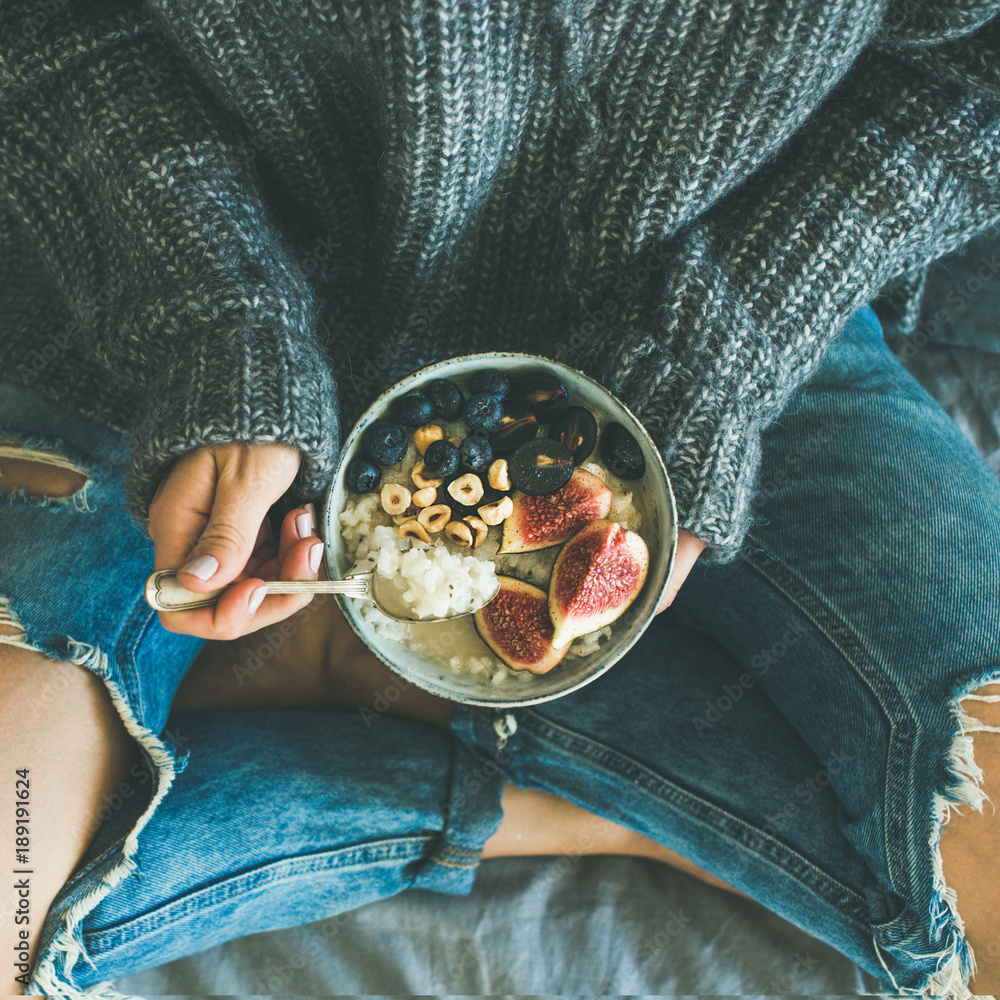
x=688, y=550
x=208, y=520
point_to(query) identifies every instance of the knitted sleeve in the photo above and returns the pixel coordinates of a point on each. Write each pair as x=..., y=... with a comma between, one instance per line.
x=125, y=174
x=898, y=166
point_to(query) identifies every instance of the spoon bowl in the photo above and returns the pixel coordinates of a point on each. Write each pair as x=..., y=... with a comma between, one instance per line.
x=164, y=593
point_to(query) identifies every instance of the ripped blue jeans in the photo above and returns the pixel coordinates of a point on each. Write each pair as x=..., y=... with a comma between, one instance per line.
x=791, y=724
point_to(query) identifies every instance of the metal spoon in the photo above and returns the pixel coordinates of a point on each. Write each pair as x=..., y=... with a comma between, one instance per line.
x=164, y=593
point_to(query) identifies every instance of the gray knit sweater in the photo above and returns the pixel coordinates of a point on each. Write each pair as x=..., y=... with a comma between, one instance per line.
x=227, y=220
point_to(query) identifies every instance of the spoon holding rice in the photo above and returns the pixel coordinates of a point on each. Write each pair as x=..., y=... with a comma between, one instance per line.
x=164, y=593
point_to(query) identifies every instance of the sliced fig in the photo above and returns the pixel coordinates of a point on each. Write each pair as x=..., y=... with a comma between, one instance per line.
x=598, y=574
x=517, y=627
x=540, y=521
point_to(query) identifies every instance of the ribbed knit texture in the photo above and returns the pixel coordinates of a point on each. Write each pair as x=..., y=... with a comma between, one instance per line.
x=220, y=218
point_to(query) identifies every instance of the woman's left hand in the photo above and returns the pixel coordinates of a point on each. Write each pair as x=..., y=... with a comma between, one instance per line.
x=688, y=550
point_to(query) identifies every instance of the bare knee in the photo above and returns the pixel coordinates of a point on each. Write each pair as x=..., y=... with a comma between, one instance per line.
x=38, y=473
x=61, y=737
x=44, y=693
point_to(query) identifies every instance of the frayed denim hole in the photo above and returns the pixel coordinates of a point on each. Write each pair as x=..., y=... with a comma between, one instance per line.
x=68, y=482
x=12, y=632
x=956, y=962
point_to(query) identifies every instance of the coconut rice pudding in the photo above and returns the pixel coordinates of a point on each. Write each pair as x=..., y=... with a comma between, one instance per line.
x=464, y=482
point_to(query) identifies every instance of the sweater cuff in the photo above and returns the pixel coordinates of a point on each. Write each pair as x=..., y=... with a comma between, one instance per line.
x=253, y=377
x=707, y=426
x=711, y=448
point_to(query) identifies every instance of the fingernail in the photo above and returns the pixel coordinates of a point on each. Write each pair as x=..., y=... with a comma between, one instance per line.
x=255, y=600
x=203, y=567
x=304, y=524
x=316, y=556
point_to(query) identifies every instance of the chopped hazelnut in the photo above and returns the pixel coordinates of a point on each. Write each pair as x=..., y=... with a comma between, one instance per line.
x=480, y=529
x=467, y=489
x=458, y=532
x=425, y=497
x=395, y=498
x=408, y=515
x=435, y=518
x=413, y=529
x=426, y=435
x=499, y=476
x=422, y=478
x=499, y=510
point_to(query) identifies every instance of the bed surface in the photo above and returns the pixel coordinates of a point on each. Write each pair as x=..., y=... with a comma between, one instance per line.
x=532, y=926
x=600, y=925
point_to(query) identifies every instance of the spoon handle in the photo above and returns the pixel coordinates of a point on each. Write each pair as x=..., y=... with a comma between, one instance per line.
x=356, y=587
x=164, y=593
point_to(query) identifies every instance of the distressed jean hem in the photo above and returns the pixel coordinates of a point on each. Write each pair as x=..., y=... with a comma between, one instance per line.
x=472, y=815
x=956, y=961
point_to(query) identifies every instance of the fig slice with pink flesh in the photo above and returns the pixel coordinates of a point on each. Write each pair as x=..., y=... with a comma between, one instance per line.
x=549, y=519
x=598, y=574
x=517, y=627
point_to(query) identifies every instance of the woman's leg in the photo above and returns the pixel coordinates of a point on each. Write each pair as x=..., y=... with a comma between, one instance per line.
x=767, y=746
x=283, y=817
x=911, y=597
x=315, y=661
x=80, y=713
x=792, y=723
x=62, y=747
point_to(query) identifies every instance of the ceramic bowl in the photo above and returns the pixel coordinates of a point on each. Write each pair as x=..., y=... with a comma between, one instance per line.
x=653, y=496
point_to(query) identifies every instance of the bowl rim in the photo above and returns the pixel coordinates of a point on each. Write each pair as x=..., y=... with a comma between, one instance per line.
x=401, y=387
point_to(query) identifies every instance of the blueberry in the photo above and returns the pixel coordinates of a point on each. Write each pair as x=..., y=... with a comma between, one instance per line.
x=475, y=453
x=483, y=412
x=362, y=475
x=446, y=397
x=413, y=409
x=441, y=458
x=490, y=382
x=384, y=442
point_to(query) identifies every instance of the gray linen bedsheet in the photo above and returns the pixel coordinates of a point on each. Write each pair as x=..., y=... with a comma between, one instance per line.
x=599, y=925
x=595, y=926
